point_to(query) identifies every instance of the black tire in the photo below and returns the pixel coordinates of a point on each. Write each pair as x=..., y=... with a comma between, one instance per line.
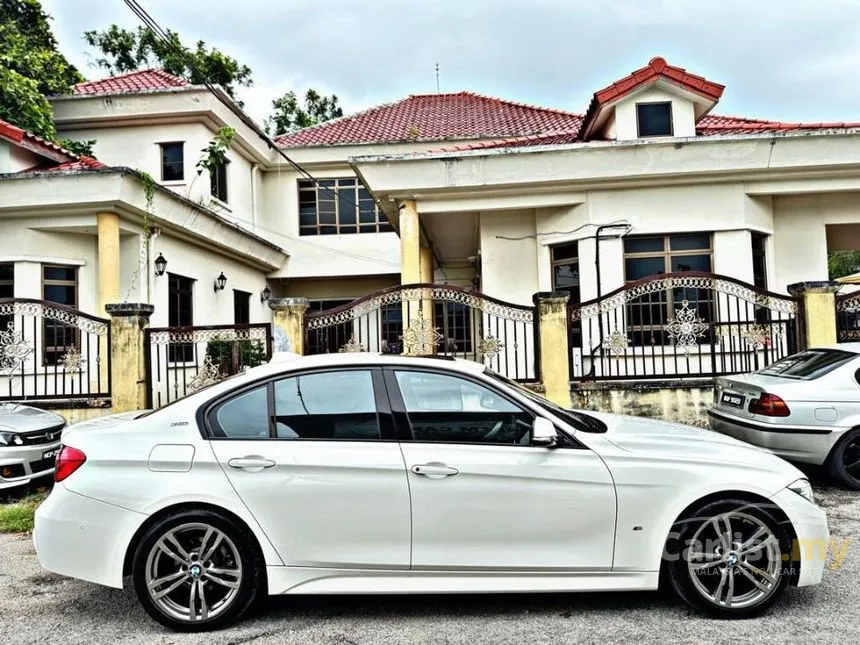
x=843, y=464
x=236, y=560
x=695, y=536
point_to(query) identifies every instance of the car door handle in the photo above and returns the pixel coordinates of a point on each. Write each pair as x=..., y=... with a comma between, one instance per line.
x=434, y=470
x=251, y=463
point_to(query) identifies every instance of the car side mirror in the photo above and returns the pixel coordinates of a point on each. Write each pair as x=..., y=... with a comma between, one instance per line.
x=544, y=433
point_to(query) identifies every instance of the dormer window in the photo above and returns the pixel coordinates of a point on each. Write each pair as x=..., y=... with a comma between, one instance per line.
x=654, y=119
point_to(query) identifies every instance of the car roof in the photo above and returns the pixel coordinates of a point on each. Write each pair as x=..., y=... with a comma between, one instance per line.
x=288, y=362
x=854, y=348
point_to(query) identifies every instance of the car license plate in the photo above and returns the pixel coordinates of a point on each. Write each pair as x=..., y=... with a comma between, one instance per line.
x=734, y=400
x=50, y=454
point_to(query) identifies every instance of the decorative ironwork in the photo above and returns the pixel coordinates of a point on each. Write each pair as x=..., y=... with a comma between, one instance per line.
x=352, y=346
x=209, y=374
x=421, y=337
x=58, y=313
x=14, y=350
x=205, y=334
x=848, y=317
x=686, y=328
x=490, y=347
x=72, y=361
x=758, y=336
x=849, y=302
x=617, y=343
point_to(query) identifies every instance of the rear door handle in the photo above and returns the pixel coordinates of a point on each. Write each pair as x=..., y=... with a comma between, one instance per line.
x=251, y=463
x=434, y=470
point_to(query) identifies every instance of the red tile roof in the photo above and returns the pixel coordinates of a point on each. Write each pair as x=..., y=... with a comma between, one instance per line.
x=429, y=117
x=37, y=144
x=84, y=163
x=134, y=82
x=715, y=125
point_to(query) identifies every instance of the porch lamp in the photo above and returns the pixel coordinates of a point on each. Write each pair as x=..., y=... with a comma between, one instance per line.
x=160, y=265
x=220, y=282
x=266, y=294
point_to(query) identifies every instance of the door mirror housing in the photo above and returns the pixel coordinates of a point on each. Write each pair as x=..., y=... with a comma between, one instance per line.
x=544, y=433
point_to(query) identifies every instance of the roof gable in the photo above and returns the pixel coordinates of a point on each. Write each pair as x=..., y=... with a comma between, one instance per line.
x=29, y=141
x=141, y=81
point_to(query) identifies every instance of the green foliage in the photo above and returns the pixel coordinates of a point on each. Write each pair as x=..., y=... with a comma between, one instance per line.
x=79, y=147
x=17, y=516
x=289, y=116
x=123, y=50
x=842, y=263
x=229, y=356
x=215, y=154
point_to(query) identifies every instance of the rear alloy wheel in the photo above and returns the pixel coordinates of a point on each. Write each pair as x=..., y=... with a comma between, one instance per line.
x=844, y=461
x=196, y=571
x=729, y=559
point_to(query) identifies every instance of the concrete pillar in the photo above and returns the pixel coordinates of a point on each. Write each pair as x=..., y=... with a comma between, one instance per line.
x=554, y=348
x=427, y=266
x=410, y=243
x=288, y=325
x=108, y=259
x=128, y=355
x=817, y=312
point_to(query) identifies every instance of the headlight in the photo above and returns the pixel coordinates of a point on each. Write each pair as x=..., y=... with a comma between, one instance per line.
x=6, y=438
x=803, y=488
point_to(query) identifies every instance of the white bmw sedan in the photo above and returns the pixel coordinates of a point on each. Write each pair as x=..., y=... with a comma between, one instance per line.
x=359, y=473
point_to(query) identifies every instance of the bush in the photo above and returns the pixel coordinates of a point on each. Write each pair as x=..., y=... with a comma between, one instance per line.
x=231, y=356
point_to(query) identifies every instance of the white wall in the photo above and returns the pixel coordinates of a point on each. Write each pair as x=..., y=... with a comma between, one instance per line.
x=509, y=268
x=683, y=117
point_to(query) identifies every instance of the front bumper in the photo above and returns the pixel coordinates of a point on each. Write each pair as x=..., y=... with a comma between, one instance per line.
x=25, y=463
x=813, y=536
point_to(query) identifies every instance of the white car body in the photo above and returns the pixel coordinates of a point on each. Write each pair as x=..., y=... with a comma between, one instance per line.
x=355, y=517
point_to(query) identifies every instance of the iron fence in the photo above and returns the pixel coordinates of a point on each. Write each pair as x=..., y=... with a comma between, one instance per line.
x=52, y=351
x=681, y=325
x=182, y=360
x=848, y=317
x=439, y=319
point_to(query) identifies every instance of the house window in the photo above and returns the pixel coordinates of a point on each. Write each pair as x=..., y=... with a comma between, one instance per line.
x=180, y=313
x=647, y=256
x=218, y=182
x=60, y=285
x=454, y=321
x=654, y=119
x=7, y=290
x=329, y=339
x=759, y=261
x=172, y=162
x=338, y=207
x=241, y=307
x=565, y=278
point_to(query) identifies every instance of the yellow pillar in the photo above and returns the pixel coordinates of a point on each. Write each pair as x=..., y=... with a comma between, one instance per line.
x=818, y=309
x=128, y=355
x=427, y=266
x=410, y=243
x=288, y=325
x=554, y=350
x=108, y=259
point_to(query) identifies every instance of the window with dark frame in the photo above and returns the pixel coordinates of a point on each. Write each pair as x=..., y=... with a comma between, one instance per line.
x=328, y=340
x=218, y=182
x=172, y=161
x=758, y=243
x=7, y=290
x=645, y=256
x=338, y=207
x=654, y=119
x=59, y=285
x=564, y=260
x=180, y=313
x=241, y=307
x=454, y=321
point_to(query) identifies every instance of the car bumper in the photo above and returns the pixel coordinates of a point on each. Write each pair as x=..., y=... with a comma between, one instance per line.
x=813, y=537
x=25, y=463
x=805, y=445
x=83, y=538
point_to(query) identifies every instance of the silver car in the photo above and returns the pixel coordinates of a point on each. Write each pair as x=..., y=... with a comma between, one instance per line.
x=29, y=443
x=805, y=408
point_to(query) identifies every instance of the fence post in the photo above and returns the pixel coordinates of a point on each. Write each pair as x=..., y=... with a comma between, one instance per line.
x=288, y=324
x=817, y=312
x=128, y=320
x=554, y=345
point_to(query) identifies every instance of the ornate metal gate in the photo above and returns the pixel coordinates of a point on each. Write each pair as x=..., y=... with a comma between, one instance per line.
x=848, y=317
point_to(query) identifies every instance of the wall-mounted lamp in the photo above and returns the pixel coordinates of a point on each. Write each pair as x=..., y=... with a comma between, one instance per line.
x=160, y=265
x=220, y=282
x=266, y=294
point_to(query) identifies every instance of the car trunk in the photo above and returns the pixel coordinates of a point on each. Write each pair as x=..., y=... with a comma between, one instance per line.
x=732, y=394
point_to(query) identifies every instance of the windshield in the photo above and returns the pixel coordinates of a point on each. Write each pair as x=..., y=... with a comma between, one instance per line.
x=578, y=420
x=808, y=365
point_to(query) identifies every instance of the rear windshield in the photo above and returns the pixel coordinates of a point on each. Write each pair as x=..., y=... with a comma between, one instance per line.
x=808, y=365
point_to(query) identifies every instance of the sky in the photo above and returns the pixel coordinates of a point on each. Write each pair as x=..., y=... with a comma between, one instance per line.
x=792, y=60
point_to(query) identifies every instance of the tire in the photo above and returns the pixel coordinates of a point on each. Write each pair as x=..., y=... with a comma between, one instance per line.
x=171, y=552
x=754, y=580
x=843, y=464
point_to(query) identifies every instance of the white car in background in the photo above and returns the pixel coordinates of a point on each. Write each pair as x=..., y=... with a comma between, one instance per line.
x=29, y=443
x=360, y=473
x=804, y=408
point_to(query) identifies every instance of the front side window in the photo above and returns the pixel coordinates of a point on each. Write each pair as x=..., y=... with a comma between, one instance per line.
x=60, y=285
x=172, y=161
x=218, y=182
x=180, y=313
x=338, y=207
x=654, y=119
x=451, y=409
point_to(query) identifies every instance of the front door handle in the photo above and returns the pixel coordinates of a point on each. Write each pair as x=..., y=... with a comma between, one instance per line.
x=434, y=470
x=251, y=463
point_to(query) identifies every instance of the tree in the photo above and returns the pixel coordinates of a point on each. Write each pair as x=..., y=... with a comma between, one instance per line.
x=123, y=50
x=289, y=116
x=842, y=263
x=31, y=67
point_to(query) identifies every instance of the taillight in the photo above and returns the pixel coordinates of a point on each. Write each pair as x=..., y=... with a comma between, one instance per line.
x=769, y=405
x=68, y=461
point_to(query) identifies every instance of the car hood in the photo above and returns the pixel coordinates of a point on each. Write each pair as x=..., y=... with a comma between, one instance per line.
x=650, y=437
x=109, y=420
x=15, y=417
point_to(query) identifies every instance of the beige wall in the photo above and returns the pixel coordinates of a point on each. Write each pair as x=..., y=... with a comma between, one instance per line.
x=687, y=404
x=337, y=288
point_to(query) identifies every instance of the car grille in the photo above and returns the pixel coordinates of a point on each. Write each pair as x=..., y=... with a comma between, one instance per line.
x=42, y=465
x=51, y=435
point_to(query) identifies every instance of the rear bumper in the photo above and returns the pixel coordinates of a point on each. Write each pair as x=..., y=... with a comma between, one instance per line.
x=813, y=536
x=26, y=463
x=805, y=445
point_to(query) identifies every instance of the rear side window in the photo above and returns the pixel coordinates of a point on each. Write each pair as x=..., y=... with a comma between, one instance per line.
x=244, y=416
x=809, y=365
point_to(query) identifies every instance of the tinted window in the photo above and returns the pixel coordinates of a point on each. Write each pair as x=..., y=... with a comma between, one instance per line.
x=328, y=405
x=809, y=365
x=245, y=416
x=172, y=162
x=654, y=119
x=455, y=410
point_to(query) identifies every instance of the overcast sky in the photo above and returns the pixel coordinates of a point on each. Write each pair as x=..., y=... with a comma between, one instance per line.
x=780, y=59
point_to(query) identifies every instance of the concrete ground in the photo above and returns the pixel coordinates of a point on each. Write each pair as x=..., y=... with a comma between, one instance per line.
x=37, y=607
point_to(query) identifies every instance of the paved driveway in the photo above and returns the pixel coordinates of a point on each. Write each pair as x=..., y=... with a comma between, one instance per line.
x=39, y=608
